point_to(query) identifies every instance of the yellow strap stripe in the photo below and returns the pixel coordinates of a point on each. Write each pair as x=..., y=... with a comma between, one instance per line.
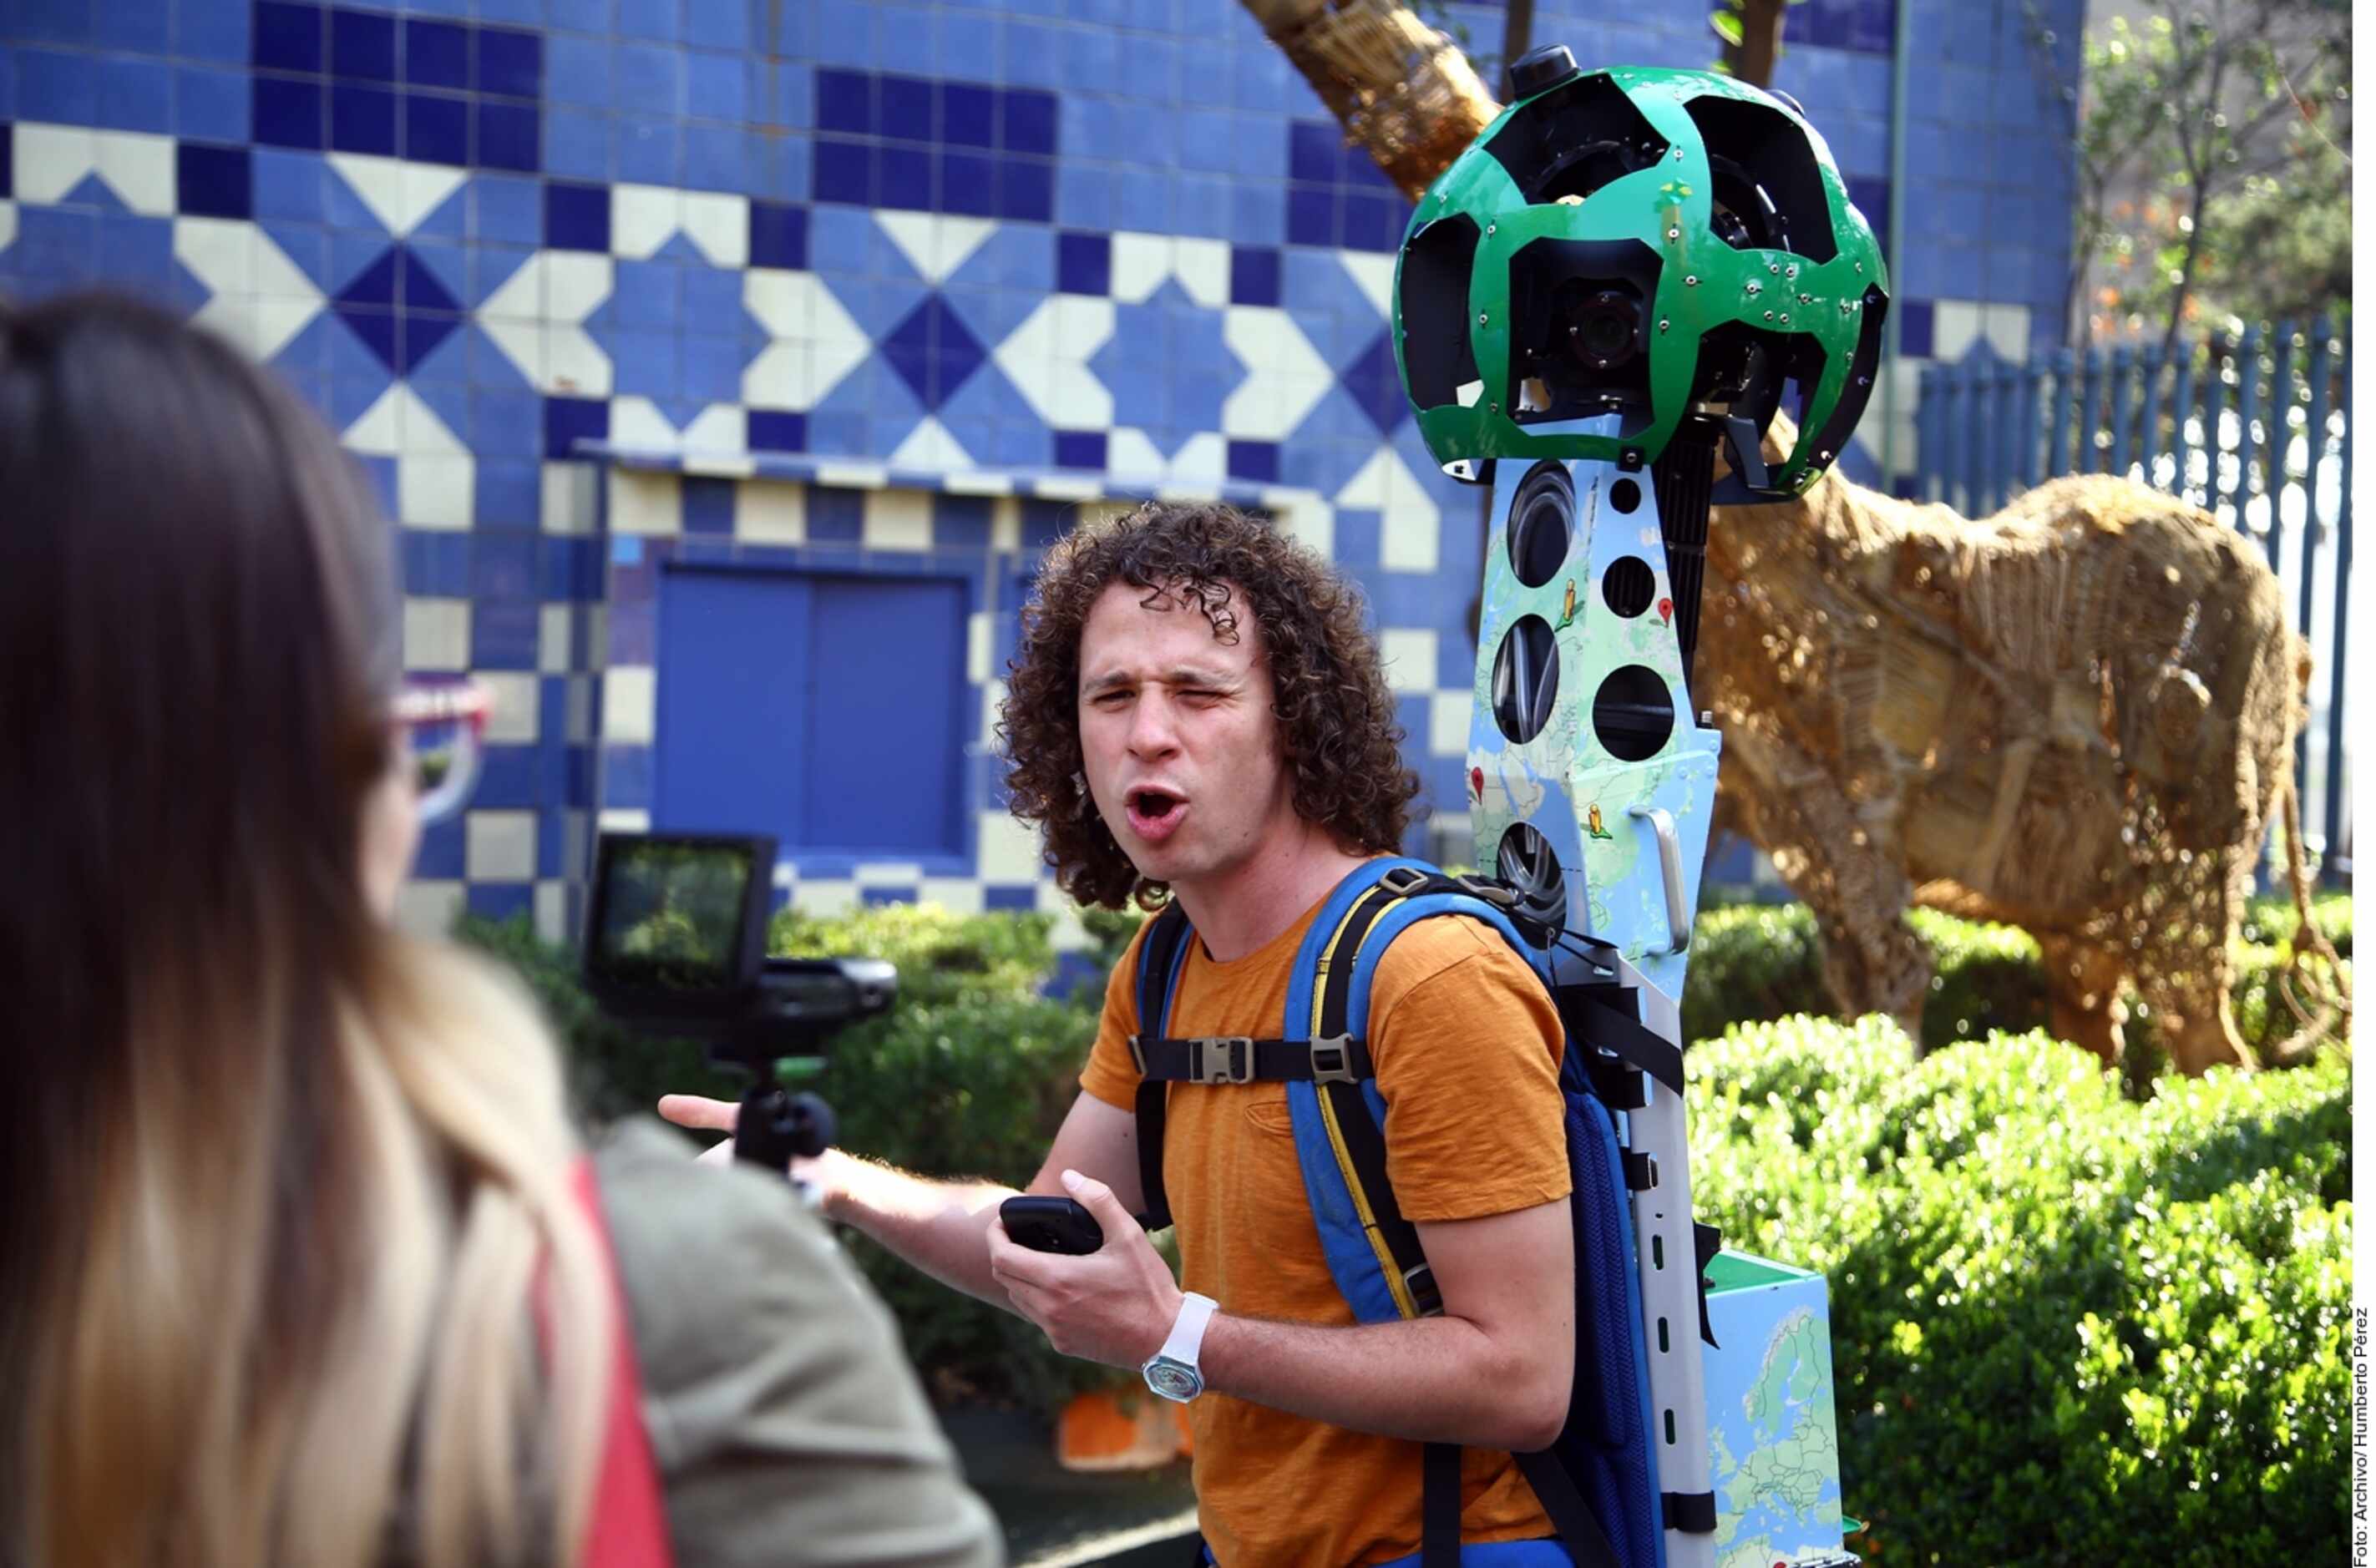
x=1387, y=1265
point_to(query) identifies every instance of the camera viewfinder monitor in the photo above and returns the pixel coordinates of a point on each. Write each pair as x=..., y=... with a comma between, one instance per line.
x=677, y=927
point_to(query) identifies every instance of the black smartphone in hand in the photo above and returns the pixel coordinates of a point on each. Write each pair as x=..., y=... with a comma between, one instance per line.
x=1052, y=1224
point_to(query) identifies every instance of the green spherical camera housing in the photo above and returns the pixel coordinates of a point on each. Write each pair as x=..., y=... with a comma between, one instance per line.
x=1658, y=244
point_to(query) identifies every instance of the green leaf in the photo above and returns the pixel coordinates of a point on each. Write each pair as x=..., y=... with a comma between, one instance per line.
x=1728, y=26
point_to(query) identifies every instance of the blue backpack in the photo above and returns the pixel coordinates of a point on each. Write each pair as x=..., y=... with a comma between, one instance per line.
x=1599, y=1481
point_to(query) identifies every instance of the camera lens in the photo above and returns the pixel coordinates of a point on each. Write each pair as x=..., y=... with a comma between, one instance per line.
x=1606, y=329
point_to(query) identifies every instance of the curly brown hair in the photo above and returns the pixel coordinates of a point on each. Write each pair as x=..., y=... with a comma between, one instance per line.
x=1336, y=716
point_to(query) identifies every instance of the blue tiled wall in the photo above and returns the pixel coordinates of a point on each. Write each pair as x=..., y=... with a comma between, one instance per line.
x=897, y=284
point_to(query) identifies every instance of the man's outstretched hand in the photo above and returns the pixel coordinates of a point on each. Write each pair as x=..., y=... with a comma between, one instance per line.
x=1115, y=1305
x=703, y=1115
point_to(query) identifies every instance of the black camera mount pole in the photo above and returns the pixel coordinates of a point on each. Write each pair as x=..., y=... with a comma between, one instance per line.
x=798, y=1005
x=776, y=1126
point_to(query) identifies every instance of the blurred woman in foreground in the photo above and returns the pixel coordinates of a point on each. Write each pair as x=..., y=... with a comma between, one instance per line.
x=291, y=1266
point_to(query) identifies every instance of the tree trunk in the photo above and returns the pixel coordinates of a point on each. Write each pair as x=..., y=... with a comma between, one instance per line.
x=1752, y=60
x=2186, y=269
x=1403, y=92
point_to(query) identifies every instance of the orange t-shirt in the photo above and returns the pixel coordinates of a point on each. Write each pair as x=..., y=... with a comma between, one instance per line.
x=1466, y=1046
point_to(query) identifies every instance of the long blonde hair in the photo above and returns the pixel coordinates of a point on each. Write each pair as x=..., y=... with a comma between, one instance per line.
x=289, y=1267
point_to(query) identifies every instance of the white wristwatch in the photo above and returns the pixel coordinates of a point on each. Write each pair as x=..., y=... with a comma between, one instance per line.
x=1171, y=1372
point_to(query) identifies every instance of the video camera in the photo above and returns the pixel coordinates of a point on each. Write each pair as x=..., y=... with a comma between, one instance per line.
x=676, y=946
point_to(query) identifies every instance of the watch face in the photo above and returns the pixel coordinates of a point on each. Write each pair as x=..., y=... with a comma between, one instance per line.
x=1173, y=1380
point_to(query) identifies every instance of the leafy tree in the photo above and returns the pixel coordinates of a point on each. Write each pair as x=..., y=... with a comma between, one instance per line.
x=2213, y=143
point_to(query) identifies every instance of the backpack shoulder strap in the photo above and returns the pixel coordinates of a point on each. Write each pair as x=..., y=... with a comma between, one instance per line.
x=1160, y=954
x=629, y=1527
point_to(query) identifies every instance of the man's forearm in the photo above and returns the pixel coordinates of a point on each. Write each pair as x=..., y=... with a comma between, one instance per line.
x=1431, y=1380
x=937, y=1226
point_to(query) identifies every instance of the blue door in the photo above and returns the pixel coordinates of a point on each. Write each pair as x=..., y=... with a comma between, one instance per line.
x=828, y=710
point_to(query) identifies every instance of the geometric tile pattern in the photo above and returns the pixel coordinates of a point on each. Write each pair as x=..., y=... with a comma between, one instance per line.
x=864, y=284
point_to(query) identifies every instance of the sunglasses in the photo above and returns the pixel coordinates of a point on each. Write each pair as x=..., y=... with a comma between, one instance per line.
x=442, y=723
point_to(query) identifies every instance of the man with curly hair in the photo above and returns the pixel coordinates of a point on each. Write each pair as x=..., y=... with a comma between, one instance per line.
x=1196, y=712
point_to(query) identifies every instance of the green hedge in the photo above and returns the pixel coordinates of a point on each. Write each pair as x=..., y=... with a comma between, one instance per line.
x=2065, y=1328
x=1761, y=961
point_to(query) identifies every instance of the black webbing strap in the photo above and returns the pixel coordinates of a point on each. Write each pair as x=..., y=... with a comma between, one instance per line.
x=1640, y=1173
x=1692, y=1512
x=1365, y=1141
x=1158, y=954
x=1235, y=1059
x=1603, y=1015
x=1570, y=1515
x=1439, y=1506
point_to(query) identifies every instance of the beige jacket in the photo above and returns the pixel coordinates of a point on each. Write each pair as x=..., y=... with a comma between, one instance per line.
x=787, y=1424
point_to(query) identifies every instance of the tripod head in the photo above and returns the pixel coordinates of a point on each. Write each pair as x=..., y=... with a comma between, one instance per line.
x=676, y=946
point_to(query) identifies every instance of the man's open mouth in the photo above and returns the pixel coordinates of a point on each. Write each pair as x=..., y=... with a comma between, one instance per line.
x=1153, y=812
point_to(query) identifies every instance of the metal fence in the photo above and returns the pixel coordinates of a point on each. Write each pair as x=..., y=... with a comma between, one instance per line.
x=2253, y=427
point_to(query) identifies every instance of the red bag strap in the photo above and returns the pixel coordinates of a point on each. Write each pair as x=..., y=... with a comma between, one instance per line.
x=629, y=1527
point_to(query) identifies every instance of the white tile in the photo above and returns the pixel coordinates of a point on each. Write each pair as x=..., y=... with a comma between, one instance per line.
x=719, y=226
x=513, y=719
x=565, y=492
x=824, y=898
x=1202, y=459
x=718, y=433
x=571, y=364
x=637, y=425
x=552, y=621
x=630, y=696
x=958, y=894
x=574, y=283
x=1311, y=524
x=930, y=448
x=430, y=908
x=993, y=698
x=937, y=245
x=220, y=251
x=140, y=168
x=1007, y=851
x=2007, y=330
x=7, y=224
x=1373, y=273
x=1203, y=268
x=777, y=375
x=981, y=628
x=646, y=503
x=50, y=160
x=1132, y=456
x=1408, y=653
x=437, y=491
x=1140, y=263
x=1955, y=328
x=553, y=909
x=771, y=512
x=625, y=819
x=499, y=846
x=399, y=191
x=642, y=218
x=898, y=519
x=1447, y=724
x=1006, y=524
x=1407, y=542
x=889, y=873
x=437, y=635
